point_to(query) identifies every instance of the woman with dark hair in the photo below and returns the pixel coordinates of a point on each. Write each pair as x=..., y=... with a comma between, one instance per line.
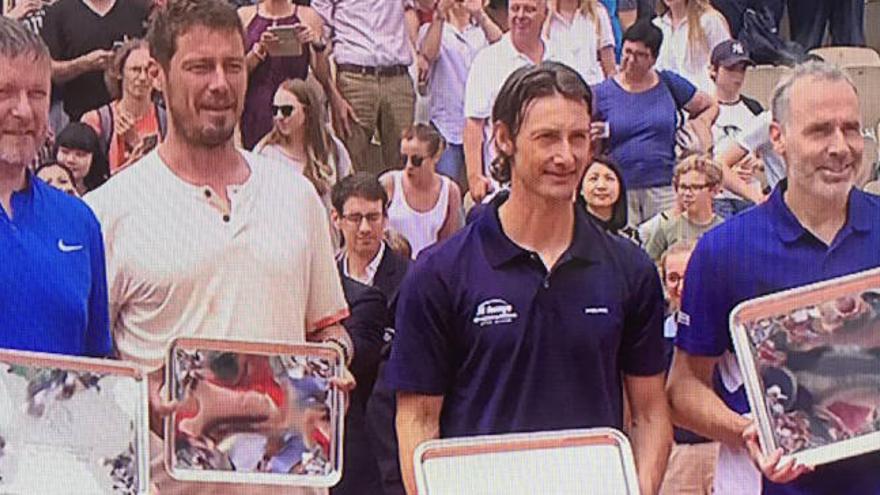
x=57, y=176
x=79, y=149
x=603, y=194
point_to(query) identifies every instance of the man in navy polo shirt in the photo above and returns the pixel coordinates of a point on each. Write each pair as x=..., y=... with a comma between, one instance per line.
x=532, y=318
x=53, y=289
x=814, y=226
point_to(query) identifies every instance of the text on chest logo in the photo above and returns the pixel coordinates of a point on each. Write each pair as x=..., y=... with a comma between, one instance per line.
x=596, y=310
x=493, y=312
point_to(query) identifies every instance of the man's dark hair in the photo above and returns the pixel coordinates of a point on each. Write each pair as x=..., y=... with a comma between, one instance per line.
x=16, y=41
x=520, y=89
x=645, y=32
x=362, y=185
x=179, y=16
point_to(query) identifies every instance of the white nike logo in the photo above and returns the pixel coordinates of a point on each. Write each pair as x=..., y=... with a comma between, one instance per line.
x=68, y=248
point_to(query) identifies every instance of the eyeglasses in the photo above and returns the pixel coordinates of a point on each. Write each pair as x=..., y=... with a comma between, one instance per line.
x=357, y=218
x=694, y=188
x=416, y=160
x=636, y=54
x=285, y=110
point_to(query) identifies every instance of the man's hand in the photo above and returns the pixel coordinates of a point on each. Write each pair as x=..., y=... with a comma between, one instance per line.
x=475, y=7
x=98, y=59
x=770, y=465
x=160, y=407
x=345, y=383
x=23, y=8
x=479, y=186
x=343, y=115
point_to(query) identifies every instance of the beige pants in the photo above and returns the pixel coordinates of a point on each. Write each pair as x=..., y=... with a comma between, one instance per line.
x=691, y=469
x=383, y=104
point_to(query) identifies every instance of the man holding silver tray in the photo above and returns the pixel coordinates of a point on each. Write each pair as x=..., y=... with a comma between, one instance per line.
x=815, y=226
x=206, y=240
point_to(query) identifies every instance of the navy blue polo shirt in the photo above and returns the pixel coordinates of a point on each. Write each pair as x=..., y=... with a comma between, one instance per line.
x=513, y=348
x=53, y=284
x=766, y=250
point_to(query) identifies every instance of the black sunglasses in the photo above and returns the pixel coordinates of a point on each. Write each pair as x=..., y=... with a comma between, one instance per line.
x=286, y=110
x=416, y=160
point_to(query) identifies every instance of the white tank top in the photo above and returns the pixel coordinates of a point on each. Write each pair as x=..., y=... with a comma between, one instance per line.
x=420, y=229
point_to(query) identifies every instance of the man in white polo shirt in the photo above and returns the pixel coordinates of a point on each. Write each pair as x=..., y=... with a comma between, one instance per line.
x=520, y=47
x=207, y=240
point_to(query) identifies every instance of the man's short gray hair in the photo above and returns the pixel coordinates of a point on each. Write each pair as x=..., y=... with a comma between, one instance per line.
x=16, y=41
x=822, y=71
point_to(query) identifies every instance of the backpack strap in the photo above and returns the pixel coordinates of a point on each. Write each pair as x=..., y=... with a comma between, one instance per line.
x=162, y=118
x=105, y=120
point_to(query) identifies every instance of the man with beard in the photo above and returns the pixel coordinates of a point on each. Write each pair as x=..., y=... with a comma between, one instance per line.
x=814, y=226
x=206, y=240
x=53, y=291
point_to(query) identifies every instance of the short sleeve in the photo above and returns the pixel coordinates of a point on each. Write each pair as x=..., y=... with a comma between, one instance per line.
x=420, y=357
x=716, y=29
x=642, y=350
x=705, y=306
x=682, y=90
x=606, y=32
x=98, y=342
x=657, y=242
x=757, y=134
x=324, y=8
x=478, y=89
x=326, y=300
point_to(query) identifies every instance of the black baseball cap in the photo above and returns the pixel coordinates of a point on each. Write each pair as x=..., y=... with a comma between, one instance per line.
x=730, y=52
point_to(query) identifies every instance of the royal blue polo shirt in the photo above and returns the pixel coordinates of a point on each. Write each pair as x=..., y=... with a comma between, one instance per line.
x=513, y=348
x=766, y=250
x=53, y=284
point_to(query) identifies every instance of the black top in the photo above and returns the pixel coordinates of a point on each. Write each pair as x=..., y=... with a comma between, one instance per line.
x=71, y=29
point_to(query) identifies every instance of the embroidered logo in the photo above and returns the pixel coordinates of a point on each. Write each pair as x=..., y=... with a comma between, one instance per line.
x=737, y=48
x=493, y=312
x=68, y=248
x=598, y=310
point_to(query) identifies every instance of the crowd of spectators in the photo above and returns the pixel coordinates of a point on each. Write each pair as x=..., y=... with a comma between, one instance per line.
x=330, y=91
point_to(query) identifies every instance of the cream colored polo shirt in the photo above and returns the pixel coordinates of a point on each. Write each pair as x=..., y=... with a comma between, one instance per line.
x=177, y=265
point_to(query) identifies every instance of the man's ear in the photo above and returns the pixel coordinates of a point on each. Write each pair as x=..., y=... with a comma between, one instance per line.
x=335, y=218
x=503, y=139
x=777, y=137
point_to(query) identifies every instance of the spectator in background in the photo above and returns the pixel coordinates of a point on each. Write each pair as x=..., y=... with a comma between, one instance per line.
x=691, y=30
x=754, y=139
x=57, y=176
x=425, y=207
x=449, y=43
x=132, y=124
x=360, y=212
x=301, y=139
x=81, y=35
x=696, y=181
x=733, y=11
x=730, y=59
x=374, y=92
x=844, y=20
x=497, y=11
x=613, y=9
x=78, y=149
x=53, y=286
x=522, y=46
x=604, y=196
x=630, y=11
x=267, y=68
x=584, y=27
x=640, y=105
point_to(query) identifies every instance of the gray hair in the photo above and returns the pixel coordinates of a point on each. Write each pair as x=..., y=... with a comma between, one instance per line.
x=16, y=40
x=781, y=102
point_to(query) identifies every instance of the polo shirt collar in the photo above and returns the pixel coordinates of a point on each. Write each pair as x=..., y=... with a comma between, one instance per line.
x=500, y=249
x=789, y=227
x=549, y=50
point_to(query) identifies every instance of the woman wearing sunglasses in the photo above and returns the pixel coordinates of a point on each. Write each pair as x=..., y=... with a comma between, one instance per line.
x=300, y=137
x=425, y=206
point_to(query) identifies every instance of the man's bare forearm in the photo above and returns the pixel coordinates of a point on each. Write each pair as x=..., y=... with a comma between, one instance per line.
x=651, y=431
x=473, y=146
x=417, y=421
x=65, y=70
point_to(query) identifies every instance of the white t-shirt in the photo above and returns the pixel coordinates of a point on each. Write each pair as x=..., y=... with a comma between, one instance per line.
x=755, y=138
x=693, y=65
x=491, y=67
x=580, y=37
x=731, y=121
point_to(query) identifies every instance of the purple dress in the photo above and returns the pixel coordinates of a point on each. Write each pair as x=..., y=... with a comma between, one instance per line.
x=256, y=121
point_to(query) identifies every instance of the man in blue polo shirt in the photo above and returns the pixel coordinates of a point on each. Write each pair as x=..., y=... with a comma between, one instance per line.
x=53, y=288
x=814, y=226
x=532, y=318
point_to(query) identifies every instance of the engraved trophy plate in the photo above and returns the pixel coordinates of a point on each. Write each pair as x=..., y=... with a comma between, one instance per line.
x=559, y=462
x=71, y=425
x=260, y=413
x=810, y=360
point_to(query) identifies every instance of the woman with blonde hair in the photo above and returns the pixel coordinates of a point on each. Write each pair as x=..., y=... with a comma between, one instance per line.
x=301, y=137
x=583, y=27
x=691, y=30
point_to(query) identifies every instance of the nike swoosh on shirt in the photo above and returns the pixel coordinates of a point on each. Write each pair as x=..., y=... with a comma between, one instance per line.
x=68, y=248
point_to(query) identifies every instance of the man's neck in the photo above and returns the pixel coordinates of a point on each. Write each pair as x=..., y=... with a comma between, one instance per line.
x=217, y=167
x=700, y=216
x=358, y=263
x=538, y=224
x=726, y=97
x=12, y=179
x=459, y=18
x=823, y=218
x=530, y=46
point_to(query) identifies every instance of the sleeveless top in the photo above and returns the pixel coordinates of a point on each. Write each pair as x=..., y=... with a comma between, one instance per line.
x=256, y=121
x=419, y=228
